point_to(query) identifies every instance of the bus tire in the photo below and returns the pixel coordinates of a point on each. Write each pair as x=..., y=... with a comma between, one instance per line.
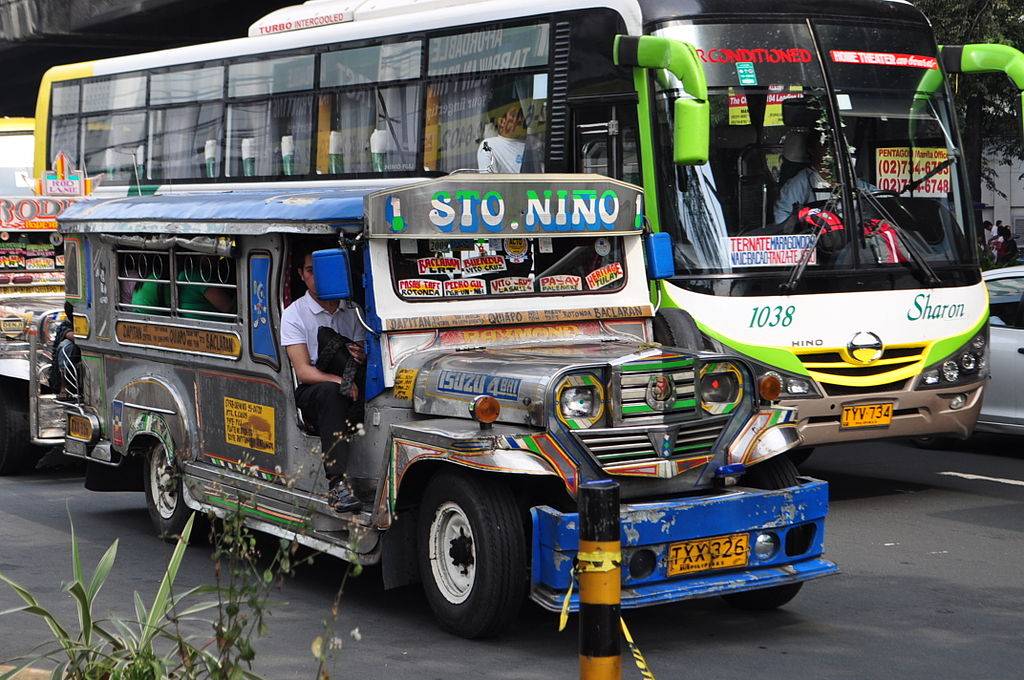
x=164, y=497
x=778, y=472
x=676, y=328
x=17, y=454
x=800, y=456
x=472, y=553
x=764, y=599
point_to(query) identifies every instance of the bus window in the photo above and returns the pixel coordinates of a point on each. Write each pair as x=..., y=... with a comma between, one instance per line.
x=111, y=144
x=64, y=122
x=184, y=140
x=365, y=128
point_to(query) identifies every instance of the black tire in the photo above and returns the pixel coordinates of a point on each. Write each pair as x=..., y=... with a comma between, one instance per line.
x=933, y=443
x=483, y=597
x=676, y=328
x=765, y=599
x=17, y=454
x=800, y=456
x=167, y=508
x=777, y=472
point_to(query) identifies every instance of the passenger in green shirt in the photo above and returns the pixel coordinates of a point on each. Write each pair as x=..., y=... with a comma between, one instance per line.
x=197, y=298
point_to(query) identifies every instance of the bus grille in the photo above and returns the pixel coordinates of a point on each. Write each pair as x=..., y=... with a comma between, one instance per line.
x=836, y=367
x=633, y=379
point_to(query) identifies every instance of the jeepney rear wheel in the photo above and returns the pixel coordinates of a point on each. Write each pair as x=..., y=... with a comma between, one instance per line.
x=164, y=497
x=472, y=553
x=775, y=473
x=17, y=454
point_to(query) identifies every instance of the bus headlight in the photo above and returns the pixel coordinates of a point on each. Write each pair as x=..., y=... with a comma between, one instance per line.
x=721, y=387
x=967, y=364
x=580, y=401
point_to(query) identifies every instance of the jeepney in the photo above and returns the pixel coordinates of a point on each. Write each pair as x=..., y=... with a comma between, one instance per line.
x=31, y=308
x=509, y=359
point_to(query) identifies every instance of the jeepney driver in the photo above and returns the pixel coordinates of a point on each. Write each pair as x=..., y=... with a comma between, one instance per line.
x=319, y=395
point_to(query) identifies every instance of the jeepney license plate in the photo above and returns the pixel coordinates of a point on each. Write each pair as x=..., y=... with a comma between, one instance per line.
x=704, y=554
x=866, y=415
x=79, y=427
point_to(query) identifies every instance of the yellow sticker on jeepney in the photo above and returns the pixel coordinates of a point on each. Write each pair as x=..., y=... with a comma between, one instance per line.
x=12, y=326
x=405, y=380
x=81, y=323
x=249, y=425
x=178, y=338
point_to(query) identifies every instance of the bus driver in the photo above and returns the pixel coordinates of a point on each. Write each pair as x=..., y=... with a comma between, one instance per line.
x=324, y=398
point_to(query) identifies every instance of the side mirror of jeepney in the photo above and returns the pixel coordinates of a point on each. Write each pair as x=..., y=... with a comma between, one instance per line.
x=691, y=124
x=658, y=252
x=989, y=58
x=332, y=274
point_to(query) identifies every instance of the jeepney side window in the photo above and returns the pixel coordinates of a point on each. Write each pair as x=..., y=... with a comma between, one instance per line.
x=204, y=286
x=270, y=116
x=488, y=123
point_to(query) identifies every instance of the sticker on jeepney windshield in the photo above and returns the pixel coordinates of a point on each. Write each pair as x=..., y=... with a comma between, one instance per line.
x=517, y=250
x=884, y=59
x=511, y=284
x=421, y=288
x=465, y=287
x=438, y=265
x=447, y=245
x=485, y=264
x=560, y=283
x=599, y=278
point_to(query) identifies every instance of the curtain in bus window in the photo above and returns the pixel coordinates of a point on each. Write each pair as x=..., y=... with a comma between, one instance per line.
x=184, y=142
x=372, y=130
x=493, y=124
x=64, y=137
x=270, y=138
x=111, y=143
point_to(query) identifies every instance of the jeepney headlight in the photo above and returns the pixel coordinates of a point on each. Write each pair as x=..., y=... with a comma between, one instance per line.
x=580, y=400
x=721, y=387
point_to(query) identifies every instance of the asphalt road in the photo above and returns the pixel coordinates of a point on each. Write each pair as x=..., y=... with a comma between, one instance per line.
x=931, y=585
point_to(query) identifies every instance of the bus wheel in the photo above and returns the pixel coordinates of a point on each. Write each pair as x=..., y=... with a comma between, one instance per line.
x=800, y=456
x=164, y=496
x=472, y=553
x=775, y=473
x=16, y=453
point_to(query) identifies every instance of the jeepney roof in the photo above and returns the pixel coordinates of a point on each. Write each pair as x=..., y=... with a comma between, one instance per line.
x=227, y=212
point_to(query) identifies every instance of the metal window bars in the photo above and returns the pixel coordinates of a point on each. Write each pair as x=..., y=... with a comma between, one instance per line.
x=192, y=275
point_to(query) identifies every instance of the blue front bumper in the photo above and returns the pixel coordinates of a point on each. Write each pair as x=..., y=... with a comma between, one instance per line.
x=799, y=509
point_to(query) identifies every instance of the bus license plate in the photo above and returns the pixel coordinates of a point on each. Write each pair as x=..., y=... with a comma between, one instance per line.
x=866, y=415
x=704, y=554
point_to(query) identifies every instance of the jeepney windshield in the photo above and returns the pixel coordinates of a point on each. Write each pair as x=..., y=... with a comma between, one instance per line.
x=781, y=180
x=427, y=269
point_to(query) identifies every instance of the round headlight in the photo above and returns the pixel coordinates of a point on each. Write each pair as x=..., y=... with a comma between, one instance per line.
x=766, y=545
x=770, y=386
x=577, y=402
x=719, y=388
x=950, y=371
x=968, y=361
x=978, y=343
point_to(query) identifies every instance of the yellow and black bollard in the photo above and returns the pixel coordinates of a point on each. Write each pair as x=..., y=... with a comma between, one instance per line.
x=598, y=564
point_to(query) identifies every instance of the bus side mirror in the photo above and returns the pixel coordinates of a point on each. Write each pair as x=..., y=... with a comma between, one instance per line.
x=691, y=122
x=332, y=274
x=658, y=249
x=988, y=58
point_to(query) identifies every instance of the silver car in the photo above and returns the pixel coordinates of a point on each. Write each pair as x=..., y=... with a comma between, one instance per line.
x=1003, y=407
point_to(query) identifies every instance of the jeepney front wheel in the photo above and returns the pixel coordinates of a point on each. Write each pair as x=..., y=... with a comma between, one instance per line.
x=164, y=497
x=472, y=553
x=16, y=451
x=775, y=473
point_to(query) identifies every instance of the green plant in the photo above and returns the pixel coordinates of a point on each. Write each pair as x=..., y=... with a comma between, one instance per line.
x=95, y=652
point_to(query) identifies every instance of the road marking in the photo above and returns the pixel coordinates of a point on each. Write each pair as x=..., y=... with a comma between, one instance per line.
x=983, y=478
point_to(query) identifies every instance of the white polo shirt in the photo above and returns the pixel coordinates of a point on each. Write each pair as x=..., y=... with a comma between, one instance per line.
x=303, y=318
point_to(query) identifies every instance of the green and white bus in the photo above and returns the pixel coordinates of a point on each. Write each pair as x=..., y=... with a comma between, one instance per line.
x=855, y=290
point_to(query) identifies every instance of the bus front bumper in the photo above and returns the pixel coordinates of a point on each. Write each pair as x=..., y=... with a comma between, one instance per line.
x=796, y=515
x=916, y=413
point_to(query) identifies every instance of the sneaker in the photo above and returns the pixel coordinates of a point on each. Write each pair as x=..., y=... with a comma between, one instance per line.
x=341, y=499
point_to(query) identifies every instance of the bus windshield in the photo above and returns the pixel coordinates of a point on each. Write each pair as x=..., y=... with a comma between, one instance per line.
x=857, y=178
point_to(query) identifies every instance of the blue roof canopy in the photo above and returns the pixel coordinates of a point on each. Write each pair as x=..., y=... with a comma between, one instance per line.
x=229, y=211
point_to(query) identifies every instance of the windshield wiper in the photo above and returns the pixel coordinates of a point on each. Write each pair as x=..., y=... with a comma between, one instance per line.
x=805, y=257
x=919, y=261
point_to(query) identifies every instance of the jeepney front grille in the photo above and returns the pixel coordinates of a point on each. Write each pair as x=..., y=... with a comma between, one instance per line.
x=633, y=381
x=617, y=446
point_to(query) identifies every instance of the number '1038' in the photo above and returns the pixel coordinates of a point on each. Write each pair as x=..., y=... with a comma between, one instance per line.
x=771, y=316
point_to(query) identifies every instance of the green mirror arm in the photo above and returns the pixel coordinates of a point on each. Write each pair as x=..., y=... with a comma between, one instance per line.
x=987, y=58
x=677, y=57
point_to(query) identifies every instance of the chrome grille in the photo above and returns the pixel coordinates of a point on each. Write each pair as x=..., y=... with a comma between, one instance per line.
x=616, y=446
x=634, y=378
